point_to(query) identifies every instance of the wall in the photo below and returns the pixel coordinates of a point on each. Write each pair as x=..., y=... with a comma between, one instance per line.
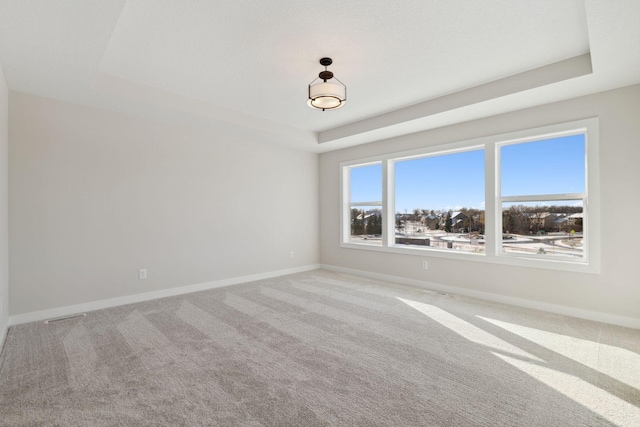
x=4, y=212
x=96, y=195
x=616, y=291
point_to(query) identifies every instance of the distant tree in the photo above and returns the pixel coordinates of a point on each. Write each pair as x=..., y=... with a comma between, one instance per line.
x=563, y=209
x=468, y=220
x=515, y=220
x=374, y=225
x=481, y=223
x=357, y=222
x=506, y=221
x=370, y=223
x=354, y=218
x=448, y=223
x=365, y=228
x=522, y=220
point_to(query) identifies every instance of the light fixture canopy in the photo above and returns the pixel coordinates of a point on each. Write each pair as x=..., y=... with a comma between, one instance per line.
x=326, y=92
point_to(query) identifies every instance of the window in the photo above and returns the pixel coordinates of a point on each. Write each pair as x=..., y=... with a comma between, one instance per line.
x=439, y=201
x=528, y=198
x=542, y=197
x=365, y=204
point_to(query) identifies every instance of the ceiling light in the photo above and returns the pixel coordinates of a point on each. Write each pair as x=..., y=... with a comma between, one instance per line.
x=325, y=93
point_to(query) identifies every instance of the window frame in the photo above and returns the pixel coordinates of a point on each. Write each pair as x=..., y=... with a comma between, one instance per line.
x=351, y=204
x=590, y=263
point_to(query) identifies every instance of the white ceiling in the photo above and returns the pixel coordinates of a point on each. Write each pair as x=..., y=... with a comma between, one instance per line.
x=243, y=67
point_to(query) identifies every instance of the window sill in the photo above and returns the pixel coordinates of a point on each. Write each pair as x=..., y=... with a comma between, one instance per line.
x=512, y=260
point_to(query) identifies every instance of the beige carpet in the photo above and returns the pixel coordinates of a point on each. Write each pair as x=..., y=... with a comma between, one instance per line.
x=320, y=349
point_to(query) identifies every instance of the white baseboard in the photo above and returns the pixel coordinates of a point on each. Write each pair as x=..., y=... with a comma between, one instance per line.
x=629, y=322
x=130, y=299
x=613, y=319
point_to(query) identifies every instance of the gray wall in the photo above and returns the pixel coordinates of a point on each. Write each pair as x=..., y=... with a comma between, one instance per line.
x=4, y=200
x=96, y=195
x=615, y=291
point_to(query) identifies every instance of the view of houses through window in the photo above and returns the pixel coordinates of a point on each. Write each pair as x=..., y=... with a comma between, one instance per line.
x=549, y=228
x=439, y=199
x=458, y=230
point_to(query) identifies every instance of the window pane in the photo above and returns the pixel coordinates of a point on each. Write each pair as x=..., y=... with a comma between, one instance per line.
x=366, y=183
x=544, y=228
x=439, y=201
x=366, y=225
x=365, y=208
x=550, y=166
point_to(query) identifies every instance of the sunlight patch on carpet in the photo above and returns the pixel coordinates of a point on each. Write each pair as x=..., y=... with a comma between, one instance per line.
x=607, y=405
x=616, y=362
x=466, y=329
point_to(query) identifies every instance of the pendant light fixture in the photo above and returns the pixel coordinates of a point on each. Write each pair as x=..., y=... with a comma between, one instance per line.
x=326, y=92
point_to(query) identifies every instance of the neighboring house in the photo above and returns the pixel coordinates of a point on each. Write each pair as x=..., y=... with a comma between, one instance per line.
x=376, y=212
x=559, y=223
x=458, y=222
x=458, y=225
x=574, y=219
x=458, y=216
x=369, y=214
x=542, y=220
x=432, y=222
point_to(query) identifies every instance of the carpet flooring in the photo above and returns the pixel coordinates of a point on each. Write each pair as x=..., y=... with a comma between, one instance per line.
x=320, y=349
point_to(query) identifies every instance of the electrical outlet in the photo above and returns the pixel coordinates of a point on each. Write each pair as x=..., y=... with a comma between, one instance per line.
x=142, y=274
x=291, y=254
x=425, y=265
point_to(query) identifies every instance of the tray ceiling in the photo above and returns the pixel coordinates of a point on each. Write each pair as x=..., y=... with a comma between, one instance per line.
x=242, y=67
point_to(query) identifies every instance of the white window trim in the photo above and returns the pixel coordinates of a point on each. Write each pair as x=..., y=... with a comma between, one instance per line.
x=493, y=201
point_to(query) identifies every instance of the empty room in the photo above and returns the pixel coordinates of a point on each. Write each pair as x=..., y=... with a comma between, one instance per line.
x=345, y=213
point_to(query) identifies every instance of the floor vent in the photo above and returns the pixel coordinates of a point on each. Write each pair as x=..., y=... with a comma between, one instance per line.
x=59, y=319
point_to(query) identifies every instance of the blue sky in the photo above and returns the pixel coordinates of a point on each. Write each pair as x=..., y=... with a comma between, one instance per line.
x=441, y=182
x=366, y=183
x=457, y=180
x=544, y=167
